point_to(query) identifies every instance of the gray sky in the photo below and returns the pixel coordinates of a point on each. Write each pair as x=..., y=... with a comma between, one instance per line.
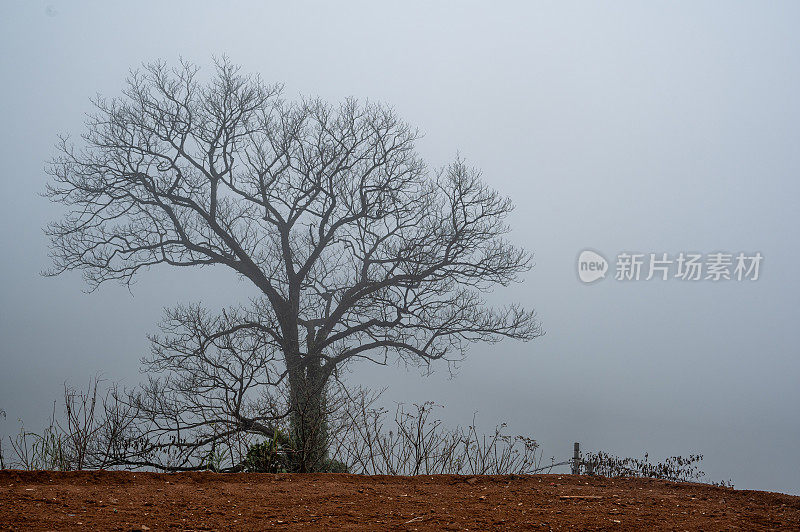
x=652, y=127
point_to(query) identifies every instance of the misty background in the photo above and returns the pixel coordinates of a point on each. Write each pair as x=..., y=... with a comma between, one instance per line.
x=650, y=127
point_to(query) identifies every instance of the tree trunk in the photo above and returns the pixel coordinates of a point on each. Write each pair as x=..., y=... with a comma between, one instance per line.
x=308, y=416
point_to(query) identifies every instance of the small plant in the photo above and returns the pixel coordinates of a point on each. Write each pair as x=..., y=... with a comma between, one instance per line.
x=723, y=484
x=41, y=451
x=2, y=460
x=215, y=459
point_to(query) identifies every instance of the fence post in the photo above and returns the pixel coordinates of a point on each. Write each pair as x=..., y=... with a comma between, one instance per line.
x=576, y=459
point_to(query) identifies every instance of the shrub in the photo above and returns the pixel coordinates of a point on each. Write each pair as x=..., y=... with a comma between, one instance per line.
x=674, y=468
x=269, y=456
x=329, y=465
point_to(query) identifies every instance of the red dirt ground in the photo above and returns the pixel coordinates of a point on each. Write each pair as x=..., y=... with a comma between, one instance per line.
x=43, y=500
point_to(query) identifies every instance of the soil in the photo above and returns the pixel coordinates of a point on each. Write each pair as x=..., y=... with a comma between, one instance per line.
x=114, y=500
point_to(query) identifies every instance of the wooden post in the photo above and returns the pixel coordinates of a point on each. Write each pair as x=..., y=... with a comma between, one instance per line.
x=576, y=459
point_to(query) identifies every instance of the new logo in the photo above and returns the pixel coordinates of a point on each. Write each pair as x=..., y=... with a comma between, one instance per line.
x=591, y=266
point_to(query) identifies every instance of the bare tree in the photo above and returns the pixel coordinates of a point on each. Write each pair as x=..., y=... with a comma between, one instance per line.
x=212, y=386
x=360, y=251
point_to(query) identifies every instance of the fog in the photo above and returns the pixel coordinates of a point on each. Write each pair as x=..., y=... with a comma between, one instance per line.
x=648, y=127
